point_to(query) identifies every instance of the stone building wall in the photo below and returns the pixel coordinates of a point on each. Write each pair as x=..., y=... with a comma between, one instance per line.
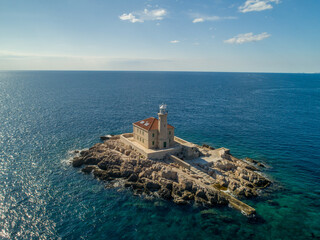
x=141, y=136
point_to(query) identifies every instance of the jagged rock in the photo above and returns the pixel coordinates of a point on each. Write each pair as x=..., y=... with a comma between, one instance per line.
x=208, y=146
x=133, y=162
x=114, y=173
x=250, y=193
x=233, y=185
x=255, y=162
x=112, y=160
x=187, y=185
x=126, y=172
x=252, y=168
x=169, y=186
x=165, y=193
x=180, y=201
x=101, y=174
x=77, y=162
x=261, y=182
x=134, y=185
x=127, y=152
x=251, y=160
x=142, y=174
x=92, y=160
x=187, y=196
x=240, y=191
x=177, y=189
x=225, y=166
x=202, y=194
x=152, y=186
x=89, y=168
x=171, y=175
x=84, y=153
x=109, y=161
x=137, y=169
x=106, y=137
x=133, y=178
x=245, y=177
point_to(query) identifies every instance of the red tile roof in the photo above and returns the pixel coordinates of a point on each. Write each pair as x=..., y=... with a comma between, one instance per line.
x=150, y=123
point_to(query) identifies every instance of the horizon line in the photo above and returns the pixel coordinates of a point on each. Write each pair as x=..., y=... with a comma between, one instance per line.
x=191, y=71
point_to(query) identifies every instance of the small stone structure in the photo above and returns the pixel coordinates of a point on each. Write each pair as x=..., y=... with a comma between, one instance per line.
x=152, y=133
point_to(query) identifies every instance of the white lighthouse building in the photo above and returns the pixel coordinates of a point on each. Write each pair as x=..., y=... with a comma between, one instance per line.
x=154, y=133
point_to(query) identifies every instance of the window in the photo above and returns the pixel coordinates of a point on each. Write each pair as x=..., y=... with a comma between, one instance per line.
x=164, y=144
x=169, y=132
x=152, y=142
x=152, y=136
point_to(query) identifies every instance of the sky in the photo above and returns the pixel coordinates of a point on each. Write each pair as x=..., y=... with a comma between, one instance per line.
x=161, y=35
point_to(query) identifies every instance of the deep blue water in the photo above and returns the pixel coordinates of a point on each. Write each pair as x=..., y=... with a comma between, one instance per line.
x=274, y=118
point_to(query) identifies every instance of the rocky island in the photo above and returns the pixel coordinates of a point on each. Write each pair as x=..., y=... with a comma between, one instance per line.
x=153, y=161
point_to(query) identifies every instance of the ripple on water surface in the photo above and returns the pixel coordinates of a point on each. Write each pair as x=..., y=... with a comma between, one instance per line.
x=44, y=115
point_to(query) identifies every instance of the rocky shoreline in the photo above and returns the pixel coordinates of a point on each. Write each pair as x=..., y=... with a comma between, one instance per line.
x=219, y=183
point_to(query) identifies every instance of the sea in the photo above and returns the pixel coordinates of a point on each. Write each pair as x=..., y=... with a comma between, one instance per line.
x=45, y=115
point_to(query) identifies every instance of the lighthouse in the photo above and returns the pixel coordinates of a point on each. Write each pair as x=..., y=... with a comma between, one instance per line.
x=163, y=140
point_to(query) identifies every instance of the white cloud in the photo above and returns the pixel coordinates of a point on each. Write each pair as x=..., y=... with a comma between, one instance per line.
x=156, y=14
x=130, y=17
x=211, y=18
x=257, y=5
x=145, y=15
x=247, y=37
x=197, y=20
x=174, y=41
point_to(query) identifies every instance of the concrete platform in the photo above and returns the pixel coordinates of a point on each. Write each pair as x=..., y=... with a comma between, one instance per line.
x=211, y=157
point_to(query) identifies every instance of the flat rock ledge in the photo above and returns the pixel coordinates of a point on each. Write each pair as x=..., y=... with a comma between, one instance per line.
x=222, y=183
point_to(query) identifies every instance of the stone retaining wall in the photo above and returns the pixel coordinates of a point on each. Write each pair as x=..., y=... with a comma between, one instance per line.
x=124, y=139
x=180, y=162
x=149, y=153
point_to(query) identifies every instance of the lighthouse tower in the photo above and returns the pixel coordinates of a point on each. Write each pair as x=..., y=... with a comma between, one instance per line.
x=163, y=139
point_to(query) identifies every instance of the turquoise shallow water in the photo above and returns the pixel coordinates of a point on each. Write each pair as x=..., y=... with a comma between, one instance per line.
x=274, y=118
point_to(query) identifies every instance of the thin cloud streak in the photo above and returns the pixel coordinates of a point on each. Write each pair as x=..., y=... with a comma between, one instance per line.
x=145, y=15
x=257, y=5
x=247, y=37
x=212, y=18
